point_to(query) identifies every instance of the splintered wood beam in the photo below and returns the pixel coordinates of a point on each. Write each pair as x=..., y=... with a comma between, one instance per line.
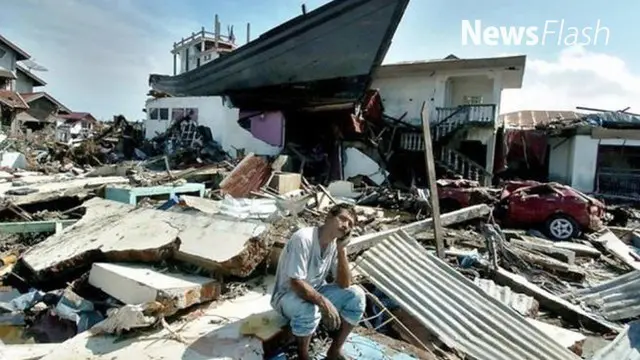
x=431, y=177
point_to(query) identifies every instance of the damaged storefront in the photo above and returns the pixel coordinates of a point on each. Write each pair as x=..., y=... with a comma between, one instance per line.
x=595, y=153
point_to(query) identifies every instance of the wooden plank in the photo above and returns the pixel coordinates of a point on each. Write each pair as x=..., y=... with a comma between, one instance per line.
x=566, y=310
x=612, y=244
x=366, y=241
x=431, y=178
x=565, y=255
x=34, y=226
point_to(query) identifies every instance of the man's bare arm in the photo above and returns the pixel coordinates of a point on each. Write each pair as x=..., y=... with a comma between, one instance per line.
x=343, y=276
x=307, y=292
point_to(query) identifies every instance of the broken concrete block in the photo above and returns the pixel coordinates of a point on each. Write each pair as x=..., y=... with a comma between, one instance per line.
x=119, y=232
x=137, y=284
x=214, y=335
x=264, y=326
x=229, y=247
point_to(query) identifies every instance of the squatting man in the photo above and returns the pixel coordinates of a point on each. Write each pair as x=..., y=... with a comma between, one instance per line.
x=302, y=294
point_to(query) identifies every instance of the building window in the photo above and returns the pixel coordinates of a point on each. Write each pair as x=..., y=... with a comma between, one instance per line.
x=2, y=53
x=164, y=114
x=473, y=100
x=153, y=114
x=158, y=113
x=179, y=113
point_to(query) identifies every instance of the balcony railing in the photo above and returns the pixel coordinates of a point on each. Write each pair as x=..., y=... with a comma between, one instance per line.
x=485, y=113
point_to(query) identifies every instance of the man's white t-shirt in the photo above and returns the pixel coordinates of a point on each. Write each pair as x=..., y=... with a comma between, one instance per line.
x=303, y=259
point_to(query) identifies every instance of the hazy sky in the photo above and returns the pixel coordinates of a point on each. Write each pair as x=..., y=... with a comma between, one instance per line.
x=99, y=53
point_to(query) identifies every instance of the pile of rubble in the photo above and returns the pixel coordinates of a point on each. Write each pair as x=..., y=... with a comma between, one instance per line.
x=119, y=261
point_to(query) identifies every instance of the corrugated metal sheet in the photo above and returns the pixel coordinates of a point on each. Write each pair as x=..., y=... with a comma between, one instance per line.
x=616, y=299
x=529, y=119
x=626, y=346
x=524, y=304
x=451, y=306
x=343, y=40
x=249, y=175
x=611, y=118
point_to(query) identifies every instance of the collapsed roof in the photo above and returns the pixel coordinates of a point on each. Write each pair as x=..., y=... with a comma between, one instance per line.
x=323, y=57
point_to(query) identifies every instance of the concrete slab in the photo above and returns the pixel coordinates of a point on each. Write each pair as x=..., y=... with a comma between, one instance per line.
x=51, y=190
x=108, y=230
x=119, y=232
x=214, y=335
x=25, y=351
x=230, y=247
x=137, y=284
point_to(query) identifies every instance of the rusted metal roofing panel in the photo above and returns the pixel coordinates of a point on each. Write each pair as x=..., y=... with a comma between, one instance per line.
x=616, y=299
x=523, y=304
x=12, y=99
x=626, y=346
x=249, y=175
x=451, y=306
x=325, y=56
x=529, y=119
x=29, y=97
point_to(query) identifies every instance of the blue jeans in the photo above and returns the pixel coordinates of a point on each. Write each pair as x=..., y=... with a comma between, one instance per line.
x=304, y=317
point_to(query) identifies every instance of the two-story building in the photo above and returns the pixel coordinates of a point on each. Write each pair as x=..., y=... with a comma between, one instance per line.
x=200, y=48
x=10, y=54
x=10, y=101
x=26, y=80
x=75, y=125
x=463, y=96
x=24, y=104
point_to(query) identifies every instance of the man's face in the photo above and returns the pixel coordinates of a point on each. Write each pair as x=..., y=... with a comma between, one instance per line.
x=341, y=224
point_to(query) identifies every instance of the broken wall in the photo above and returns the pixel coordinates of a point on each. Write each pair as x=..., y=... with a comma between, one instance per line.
x=406, y=93
x=222, y=120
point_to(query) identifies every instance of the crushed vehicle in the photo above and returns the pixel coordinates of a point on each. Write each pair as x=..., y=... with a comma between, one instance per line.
x=460, y=193
x=562, y=211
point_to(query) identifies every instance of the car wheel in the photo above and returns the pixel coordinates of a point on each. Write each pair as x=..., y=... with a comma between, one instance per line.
x=561, y=227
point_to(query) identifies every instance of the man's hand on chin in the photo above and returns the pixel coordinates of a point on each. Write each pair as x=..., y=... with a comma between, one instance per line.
x=343, y=242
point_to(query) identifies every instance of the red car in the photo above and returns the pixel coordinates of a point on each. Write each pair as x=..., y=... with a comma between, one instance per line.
x=563, y=211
